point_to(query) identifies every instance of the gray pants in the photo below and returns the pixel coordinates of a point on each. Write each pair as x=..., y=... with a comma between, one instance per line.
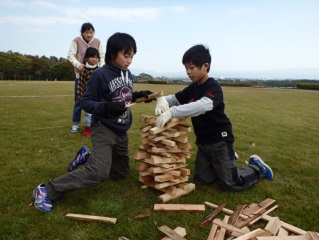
x=109, y=159
x=216, y=161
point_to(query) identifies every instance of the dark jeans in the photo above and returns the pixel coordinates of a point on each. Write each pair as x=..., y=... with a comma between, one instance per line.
x=109, y=159
x=76, y=114
x=216, y=162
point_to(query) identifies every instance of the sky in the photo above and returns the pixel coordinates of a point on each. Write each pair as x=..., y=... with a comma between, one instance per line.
x=242, y=35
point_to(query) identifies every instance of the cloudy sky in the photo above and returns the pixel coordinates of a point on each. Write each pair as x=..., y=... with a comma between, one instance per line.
x=241, y=34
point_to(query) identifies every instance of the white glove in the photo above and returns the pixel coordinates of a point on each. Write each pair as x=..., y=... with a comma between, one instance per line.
x=163, y=118
x=161, y=105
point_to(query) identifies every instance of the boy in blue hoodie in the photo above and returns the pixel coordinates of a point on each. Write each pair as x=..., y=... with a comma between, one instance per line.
x=107, y=94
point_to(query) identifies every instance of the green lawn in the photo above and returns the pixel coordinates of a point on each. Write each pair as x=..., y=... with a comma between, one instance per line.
x=279, y=125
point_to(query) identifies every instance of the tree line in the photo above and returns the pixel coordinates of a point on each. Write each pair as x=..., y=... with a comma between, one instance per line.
x=16, y=66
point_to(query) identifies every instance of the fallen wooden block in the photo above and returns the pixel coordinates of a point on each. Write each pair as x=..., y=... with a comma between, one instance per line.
x=90, y=218
x=296, y=237
x=171, y=233
x=211, y=216
x=179, y=207
x=273, y=225
x=179, y=230
x=313, y=235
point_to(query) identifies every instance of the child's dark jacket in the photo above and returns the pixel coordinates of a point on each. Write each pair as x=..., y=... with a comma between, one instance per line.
x=108, y=84
x=214, y=125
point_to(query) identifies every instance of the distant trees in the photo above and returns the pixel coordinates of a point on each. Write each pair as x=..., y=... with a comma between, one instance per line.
x=15, y=66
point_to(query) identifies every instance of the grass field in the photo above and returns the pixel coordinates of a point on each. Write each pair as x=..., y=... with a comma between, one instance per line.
x=279, y=125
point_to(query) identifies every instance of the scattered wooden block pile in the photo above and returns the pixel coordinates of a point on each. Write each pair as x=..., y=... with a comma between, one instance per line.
x=235, y=224
x=162, y=156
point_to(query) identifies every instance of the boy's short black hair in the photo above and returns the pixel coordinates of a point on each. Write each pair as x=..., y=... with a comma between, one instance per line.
x=119, y=42
x=91, y=52
x=87, y=26
x=197, y=55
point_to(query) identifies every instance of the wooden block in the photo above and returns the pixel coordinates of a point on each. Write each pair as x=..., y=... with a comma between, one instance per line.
x=234, y=231
x=297, y=237
x=146, y=129
x=212, y=232
x=212, y=215
x=173, y=122
x=251, y=234
x=171, y=233
x=171, y=134
x=142, y=166
x=273, y=225
x=183, y=128
x=286, y=226
x=313, y=235
x=179, y=230
x=282, y=232
x=235, y=215
x=181, y=139
x=179, y=192
x=90, y=218
x=179, y=207
x=168, y=142
x=141, y=155
x=225, y=210
x=243, y=223
x=163, y=178
x=265, y=213
x=222, y=231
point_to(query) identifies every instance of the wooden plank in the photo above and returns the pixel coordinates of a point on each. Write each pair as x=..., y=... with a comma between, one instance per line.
x=265, y=213
x=183, y=128
x=90, y=218
x=179, y=207
x=282, y=232
x=179, y=192
x=225, y=210
x=168, y=142
x=222, y=231
x=171, y=233
x=313, y=235
x=235, y=231
x=245, y=222
x=213, y=215
x=273, y=225
x=173, y=122
x=181, y=139
x=251, y=234
x=286, y=226
x=141, y=155
x=171, y=134
x=212, y=232
x=235, y=215
x=179, y=230
x=163, y=178
x=297, y=237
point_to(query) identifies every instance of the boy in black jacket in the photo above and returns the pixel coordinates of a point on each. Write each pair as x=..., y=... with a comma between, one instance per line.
x=107, y=94
x=203, y=102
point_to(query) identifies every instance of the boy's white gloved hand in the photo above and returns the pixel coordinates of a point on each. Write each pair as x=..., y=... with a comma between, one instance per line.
x=163, y=118
x=161, y=105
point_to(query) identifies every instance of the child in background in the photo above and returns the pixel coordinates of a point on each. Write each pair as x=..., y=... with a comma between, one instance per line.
x=76, y=57
x=108, y=92
x=92, y=58
x=203, y=102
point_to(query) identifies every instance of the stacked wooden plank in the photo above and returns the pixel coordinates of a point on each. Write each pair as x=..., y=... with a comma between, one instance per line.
x=235, y=224
x=162, y=156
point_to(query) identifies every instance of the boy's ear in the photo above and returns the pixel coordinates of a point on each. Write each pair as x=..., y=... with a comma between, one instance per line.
x=205, y=66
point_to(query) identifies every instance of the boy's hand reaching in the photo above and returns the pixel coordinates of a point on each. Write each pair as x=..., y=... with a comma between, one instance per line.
x=163, y=118
x=161, y=105
x=114, y=109
x=142, y=94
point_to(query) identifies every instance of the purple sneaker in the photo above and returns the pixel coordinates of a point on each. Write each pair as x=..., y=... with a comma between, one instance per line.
x=79, y=158
x=41, y=200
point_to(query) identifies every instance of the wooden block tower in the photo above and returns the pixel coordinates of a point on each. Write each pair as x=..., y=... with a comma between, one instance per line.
x=162, y=156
